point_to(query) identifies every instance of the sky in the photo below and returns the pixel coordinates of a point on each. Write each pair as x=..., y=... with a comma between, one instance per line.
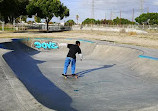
x=109, y=9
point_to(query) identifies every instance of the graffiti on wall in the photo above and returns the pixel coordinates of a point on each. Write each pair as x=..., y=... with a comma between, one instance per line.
x=46, y=45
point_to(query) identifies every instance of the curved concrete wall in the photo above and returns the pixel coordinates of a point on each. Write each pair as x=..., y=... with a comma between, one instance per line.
x=87, y=46
x=92, y=50
x=116, y=67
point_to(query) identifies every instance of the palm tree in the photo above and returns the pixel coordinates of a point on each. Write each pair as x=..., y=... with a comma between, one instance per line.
x=77, y=17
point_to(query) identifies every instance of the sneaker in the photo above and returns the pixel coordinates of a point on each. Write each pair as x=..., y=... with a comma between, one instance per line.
x=63, y=74
x=73, y=74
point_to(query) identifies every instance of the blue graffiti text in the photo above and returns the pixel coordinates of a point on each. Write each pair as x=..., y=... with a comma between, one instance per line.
x=49, y=45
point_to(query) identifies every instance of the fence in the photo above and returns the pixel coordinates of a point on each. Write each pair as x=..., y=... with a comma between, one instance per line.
x=117, y=28
x=40, y=27
x=99, y=27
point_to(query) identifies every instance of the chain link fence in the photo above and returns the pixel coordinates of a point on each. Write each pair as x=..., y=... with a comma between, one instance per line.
x=99, y=27
x=117, y=28
x=37, y=27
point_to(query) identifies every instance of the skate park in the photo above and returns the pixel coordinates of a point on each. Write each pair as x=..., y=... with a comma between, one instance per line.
x=119, y=43
x=112, y=77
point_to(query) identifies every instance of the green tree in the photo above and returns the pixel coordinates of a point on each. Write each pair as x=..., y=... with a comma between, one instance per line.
x=47, y=9
x=37, y=19
x=97, y=22
x=21, y=18
x=89, y=21
x=24, y=18
x=30, y=22
x=103, y=21
x=147, y=18
x=70, y=23
x=109, y=22
x=121, y=21
x=117, y=20
x=93, y=21
x=11, y=9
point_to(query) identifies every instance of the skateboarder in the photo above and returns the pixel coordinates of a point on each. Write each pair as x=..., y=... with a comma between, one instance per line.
x=71, y=57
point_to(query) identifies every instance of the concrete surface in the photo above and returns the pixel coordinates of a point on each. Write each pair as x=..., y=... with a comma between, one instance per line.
x=112, y=77
x=13, y=94
x=8, y=100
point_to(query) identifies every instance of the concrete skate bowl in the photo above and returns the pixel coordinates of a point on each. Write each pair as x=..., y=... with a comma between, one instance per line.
x=111, y=78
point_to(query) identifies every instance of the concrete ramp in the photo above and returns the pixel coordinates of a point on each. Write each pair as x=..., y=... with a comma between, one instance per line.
x=111, y=77
x=105, y=52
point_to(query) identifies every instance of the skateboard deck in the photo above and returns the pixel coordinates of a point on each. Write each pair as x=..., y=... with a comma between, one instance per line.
x=70, y=75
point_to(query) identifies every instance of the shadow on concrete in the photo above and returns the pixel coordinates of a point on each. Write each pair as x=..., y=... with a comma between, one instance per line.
x=37, y=32
x=82, y=73
x=26, y=69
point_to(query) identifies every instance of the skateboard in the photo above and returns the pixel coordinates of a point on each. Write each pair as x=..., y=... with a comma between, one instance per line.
x=70, y=75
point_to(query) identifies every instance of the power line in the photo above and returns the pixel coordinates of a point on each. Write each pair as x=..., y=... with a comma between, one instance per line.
x=120, y=17
x=92, y=9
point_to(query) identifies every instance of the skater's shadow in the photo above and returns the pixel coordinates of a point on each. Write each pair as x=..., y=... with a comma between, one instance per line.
x=82, y=73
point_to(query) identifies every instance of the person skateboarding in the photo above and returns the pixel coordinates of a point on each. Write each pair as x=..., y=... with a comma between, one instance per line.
x=71, y=57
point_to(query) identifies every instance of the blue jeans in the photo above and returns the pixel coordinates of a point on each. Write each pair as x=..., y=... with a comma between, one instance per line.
x=69, y=60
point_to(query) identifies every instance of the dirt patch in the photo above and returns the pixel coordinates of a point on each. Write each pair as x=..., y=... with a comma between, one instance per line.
x=145, y=40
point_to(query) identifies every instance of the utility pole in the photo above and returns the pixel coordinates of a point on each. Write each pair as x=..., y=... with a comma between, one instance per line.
x=104, y=21
x=142, y=7
x=148, y=10
x=133, y=16
x=120, y=17
x=92, y=9
x=111, y=15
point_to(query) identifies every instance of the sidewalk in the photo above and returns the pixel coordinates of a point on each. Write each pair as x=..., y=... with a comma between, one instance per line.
x=9, y=100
